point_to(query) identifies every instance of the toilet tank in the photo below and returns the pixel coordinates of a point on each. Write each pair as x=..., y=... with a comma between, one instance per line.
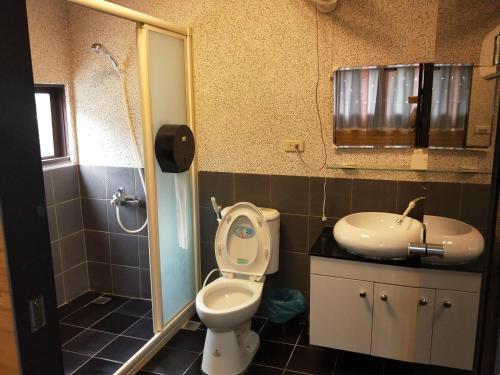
x=272, y=217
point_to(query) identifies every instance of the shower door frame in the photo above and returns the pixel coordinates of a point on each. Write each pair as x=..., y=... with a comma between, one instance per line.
x=145, y=22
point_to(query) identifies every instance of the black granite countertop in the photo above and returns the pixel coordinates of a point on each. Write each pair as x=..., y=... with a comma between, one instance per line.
x=326, y=246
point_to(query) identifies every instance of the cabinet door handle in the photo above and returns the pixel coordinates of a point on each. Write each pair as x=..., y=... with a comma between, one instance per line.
x=447, y=304
x=362, y=294
x=383, y=297
x=423, y=301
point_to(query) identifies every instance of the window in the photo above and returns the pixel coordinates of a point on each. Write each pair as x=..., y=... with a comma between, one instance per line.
x=51, y=118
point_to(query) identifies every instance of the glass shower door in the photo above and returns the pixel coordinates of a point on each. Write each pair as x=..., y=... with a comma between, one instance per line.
x=166, y=93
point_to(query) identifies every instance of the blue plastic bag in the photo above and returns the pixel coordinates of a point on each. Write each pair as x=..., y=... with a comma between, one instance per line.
x=281, y=305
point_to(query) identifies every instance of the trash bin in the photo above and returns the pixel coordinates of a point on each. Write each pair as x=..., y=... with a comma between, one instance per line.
x=281, y=305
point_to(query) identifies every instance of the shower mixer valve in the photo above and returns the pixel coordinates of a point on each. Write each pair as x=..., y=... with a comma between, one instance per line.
x=121, y=198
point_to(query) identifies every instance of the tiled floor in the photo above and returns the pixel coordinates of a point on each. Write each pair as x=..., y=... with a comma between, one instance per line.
x=97, y=339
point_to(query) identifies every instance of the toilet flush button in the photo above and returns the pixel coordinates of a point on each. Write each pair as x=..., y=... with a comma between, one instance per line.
x=217, y=353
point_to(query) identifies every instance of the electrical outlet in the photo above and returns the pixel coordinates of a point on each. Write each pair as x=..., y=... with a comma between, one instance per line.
x=482, y=130
x=293, y=145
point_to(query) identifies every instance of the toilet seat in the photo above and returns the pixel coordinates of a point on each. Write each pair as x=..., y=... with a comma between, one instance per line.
x=243, y=243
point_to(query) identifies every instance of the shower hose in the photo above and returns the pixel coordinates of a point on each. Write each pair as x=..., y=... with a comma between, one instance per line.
x=133, y=139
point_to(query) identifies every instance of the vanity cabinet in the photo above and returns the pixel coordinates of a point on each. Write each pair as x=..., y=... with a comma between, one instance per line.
x=402, y=322
x=410, y=314
x=348, y=302
x=454, y=333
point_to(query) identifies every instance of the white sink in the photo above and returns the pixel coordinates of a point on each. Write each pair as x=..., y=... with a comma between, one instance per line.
x=377, y=234
x=462, y=242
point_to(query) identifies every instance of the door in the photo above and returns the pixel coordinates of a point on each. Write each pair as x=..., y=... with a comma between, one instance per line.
x=341, y=313
x=166, y=94
x=454, y=332
x=402, y=322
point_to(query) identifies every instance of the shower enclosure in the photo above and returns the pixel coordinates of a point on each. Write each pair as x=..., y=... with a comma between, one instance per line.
x=164, y=62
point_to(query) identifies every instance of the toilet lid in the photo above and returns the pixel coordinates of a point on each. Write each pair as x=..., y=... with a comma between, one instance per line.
x=243, y=242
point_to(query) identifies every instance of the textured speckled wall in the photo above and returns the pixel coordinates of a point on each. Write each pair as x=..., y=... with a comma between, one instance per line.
x=50, y=44
x=255, y=77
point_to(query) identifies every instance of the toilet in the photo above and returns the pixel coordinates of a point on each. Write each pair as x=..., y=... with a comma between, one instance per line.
x=246, y=249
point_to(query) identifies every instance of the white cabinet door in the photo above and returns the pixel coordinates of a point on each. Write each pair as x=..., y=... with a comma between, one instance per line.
x=454, y=332
x=341, y=313
x=402, y=322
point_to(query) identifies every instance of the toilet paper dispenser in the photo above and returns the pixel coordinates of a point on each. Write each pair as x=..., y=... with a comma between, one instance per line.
x=174, y=148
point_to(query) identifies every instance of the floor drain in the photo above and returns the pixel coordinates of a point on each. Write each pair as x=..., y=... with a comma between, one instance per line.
x=101, y=300
x=191, y=325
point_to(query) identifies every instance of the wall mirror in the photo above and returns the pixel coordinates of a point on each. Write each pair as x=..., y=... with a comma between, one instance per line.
x=449, y=103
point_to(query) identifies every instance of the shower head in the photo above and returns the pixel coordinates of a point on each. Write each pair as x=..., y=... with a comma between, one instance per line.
x=100, y=49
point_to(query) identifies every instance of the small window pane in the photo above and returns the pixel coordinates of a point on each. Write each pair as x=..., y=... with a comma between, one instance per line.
x=44, y=118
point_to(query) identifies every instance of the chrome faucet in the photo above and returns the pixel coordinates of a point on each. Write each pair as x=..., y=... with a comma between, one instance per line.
x=120, y=198
x=411, y=206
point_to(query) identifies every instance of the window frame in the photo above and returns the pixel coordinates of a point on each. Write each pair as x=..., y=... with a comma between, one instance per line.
x=59, y=123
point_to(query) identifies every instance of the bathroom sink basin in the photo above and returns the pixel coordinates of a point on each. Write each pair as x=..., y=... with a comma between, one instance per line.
x=377, y=234
x=462, y=242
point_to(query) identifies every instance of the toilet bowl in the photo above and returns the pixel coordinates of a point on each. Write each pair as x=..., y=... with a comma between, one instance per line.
x=243, y=249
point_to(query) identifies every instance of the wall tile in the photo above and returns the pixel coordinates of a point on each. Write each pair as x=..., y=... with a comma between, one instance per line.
x=316, y=226
x=95, y=213
x=65, y=183
x=72, y=250
x=408, y=191
x=145, y=284
x=97, y=245
x=475, y=204
x=290, y=194
x=51, y=217
x=141, y=218
x=143, y=252
x=208, y=262
x=208, y=224
x=47, y=185
x=119, y=177
x=294, y=270
x=124, y=249
x=443, y=199
x=100, y=277
x=128, y=217
x=253, y=188
x=338, y=197
x=92, y=181
x=75, y=281
x=216, y=184
x=69, y=217
x=61, y=299
x=293, y=233
x=373, y=195
x=56, y=257
x=139, y=189
x=126, y=281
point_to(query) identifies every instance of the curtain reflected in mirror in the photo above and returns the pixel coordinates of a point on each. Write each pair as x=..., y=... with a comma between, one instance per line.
x=451, y=88
x=373, y=105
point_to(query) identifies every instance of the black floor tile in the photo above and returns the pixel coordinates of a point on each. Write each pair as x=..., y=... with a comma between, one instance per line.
x=115, y=323
x=142, y=329
x=170, y=361
x=188, y=340
x=121, y=349
x=72, y=361
x=312, y=360
x=356, y=364
x=195, y=368
x=263, y=370
x=89, y=342
x=257, y=324
x=396, y=367
x=287, y=333
x=77, y=303
x=149, y=314
x=98, y=367
x=90, y=314
x=418, y=369
x=67, y=332
x=273, y=354
x=135, y=307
